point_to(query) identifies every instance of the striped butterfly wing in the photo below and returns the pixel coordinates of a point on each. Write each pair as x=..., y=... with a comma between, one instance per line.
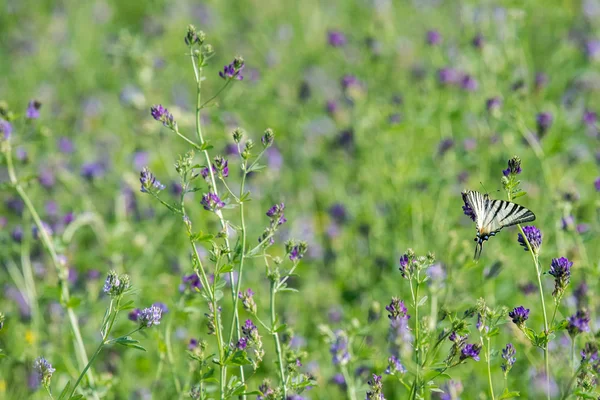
x=493, y=215
x=500, y=214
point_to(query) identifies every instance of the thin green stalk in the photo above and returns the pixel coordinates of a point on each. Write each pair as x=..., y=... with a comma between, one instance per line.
x=170, y=356
x=573, y=354
x=541, y=291
x=62, y=272
x=415, y=297
x=489, y=368
x=242, y=255
x=30, y=280
x=350, y=390
x=198, y=75
x=277, y=343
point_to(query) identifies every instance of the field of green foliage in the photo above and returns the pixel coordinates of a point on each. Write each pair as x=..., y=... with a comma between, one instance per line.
x=314, y=153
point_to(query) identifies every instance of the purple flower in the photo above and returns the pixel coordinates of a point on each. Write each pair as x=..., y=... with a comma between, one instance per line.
x=493, y=103
x=541, y=80
x=579, y=323
x=338, y=379
x=242, y=343
x=249, y=329
x=193, y=344
x=375, y=391
x=221, y=165
x=469, y=83
x=349, y=81
x=192, y=281
x=33, y=109
x=65, y=145
x=452, y=389
x=336, y=38
x=331, y=107
x=478, y=41
x=134, y=315
x=248, y=301
x=22, y=155
x=212, y=202
x=338, y=213
x=397, y=309
x=445, y=145
x=46, y=178
x=339, y=348
x=514, y=167
x=449, y=76
x=597, y=184
x=43, y=370
x=150, y=316
x=508, y=354
x=149, y=182
x=433, y=38
x=560, y=269
x=92, y=170
x=163, y=115
x=589, y=118
x=394, y=365
x=5, y=129
x=233, y=70
x=163, y=307
x=17, y=234
x=592, y=49
x=470, y=351
x=533, y=236
x=519, y=315
x=544, y=122
x=467, y=210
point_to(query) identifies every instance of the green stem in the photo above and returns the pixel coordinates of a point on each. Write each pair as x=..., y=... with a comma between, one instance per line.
x=216, y=94
x=61, y=270
x=242, y=256
x=89, y=364
x=170, y=356
x=541, y=291
x=176, y=130
x=489, y=368
x=573, y=354
x=350, y=390
x=415, y=296
x=198, y=75
x=277, y=343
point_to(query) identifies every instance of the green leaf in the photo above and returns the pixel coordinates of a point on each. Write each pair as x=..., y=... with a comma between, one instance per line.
x=280, y=328
x=206, y=146
x=238, y=358
x=201, y=237
x=287, y=289
x=256, y=167
x=435, y=374
x=559, y=326
x=245, y=197
x=493, y=332
x=218, y=294
x=519, y=194
x=509, y=395
x=585, y=395
x=422, y=301
x=225, y=268
x=73, y=302
x=127, y=341
x=76, y=397
x=65, y=392
x=208, y=374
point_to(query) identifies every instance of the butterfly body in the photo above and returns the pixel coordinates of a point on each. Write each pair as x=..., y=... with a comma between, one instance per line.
x=490, y=216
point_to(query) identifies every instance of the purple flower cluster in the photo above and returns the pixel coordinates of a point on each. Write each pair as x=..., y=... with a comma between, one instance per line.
x=150, y=316
x=340, y=353
x=514, y=167
x=248, y=301
x=149, y=181
x=544, y=122
x=470, y=351
x=221, y=165
x=212, y=202
x=394, y=365
x=233, y=70
x=43, y=370
x=533, y=236
x=519, y=315
x=397, y=309
x=192, y=282
x=508, y=355
x=336, y=39
x=163, y=115
x=5, y=129
x=33, y=109
x=375, y=391
x=560, y=269
x=579, y=323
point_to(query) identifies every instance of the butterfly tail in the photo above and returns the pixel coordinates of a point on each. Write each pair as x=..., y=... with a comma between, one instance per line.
x=478, y=248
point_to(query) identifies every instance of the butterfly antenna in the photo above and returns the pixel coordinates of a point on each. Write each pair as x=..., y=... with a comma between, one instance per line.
x=484, y=189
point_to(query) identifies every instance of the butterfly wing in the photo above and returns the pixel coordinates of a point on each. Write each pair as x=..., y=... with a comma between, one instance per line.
x=491, y=216
x=500, y=214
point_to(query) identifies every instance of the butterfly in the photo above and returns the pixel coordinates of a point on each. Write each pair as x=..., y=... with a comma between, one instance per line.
x=491, y=216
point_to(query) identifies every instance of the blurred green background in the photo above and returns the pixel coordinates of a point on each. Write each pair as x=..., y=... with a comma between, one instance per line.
x=393, y=150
